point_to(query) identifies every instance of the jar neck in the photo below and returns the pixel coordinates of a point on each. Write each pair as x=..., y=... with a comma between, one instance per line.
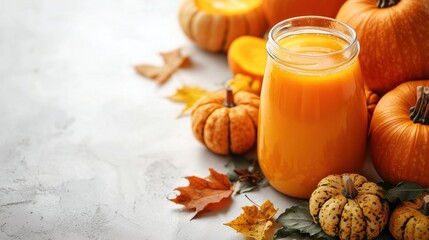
x=317, y=33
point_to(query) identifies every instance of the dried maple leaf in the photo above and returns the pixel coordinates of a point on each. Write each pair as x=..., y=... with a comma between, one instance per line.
x=173, y=60
x=188, y=95
x=204, y=191
x=255, y=220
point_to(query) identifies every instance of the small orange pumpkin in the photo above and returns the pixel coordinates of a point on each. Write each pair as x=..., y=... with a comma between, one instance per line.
x=399, y=137
x=213, y=25
x=393, y=35
x=278, y=10
x=226, y=123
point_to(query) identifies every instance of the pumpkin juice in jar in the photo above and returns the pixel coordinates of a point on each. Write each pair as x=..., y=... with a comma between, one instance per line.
x=313, y=117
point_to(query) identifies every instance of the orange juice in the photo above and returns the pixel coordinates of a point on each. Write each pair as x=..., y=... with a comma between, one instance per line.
x=313, y=117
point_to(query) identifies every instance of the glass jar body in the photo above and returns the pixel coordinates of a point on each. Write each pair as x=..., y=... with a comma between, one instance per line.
x=313, y=117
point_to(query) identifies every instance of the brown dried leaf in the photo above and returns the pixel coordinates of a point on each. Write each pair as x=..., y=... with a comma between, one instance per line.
x=173, y=60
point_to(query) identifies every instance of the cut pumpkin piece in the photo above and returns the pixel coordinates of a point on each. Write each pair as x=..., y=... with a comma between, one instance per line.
x=247, y=55
x=214, y=24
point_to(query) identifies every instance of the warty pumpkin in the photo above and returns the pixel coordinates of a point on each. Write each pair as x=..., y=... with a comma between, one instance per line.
x=225, y=122
x=410, y=220
x=398, y=137
x=394, y=40
x=349, y=206
x=278, y=10
x=213, y=25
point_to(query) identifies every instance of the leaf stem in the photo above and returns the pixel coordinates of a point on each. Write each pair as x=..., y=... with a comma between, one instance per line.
x=251, y=201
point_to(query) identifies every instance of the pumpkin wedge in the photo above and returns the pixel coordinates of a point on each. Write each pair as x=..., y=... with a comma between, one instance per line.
x=247, y=55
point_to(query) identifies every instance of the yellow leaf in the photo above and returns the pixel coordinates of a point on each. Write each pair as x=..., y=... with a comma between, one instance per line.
x=188, y=95
x=242, y=82
x=254, y=221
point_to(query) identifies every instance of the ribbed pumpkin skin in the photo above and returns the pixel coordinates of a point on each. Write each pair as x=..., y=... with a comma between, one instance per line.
x=363, y=217
x=215, y=32
x=226, y=130
x=399, y=147
x=408, y=223
x=394, y=41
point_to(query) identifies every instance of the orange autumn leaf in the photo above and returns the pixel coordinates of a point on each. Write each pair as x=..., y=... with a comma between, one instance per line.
x=202, y=192
x=255, y=221
x=173, y=60
x=189, y=95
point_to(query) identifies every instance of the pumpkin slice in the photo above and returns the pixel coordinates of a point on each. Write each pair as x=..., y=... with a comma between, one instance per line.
x=247, y=55
x=213, y=25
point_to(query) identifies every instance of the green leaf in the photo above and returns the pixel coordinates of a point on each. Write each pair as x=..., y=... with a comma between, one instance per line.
x=298, y=219
x=244, y=187
x=404, y=191
x=237, y=162
x=286, y=234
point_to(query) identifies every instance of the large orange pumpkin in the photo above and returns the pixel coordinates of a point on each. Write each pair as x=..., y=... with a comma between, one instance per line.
x=399, y=134
x=278, y=10
x=394, y=40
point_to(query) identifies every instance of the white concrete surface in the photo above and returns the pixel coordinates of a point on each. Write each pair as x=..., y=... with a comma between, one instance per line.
x=88, y=148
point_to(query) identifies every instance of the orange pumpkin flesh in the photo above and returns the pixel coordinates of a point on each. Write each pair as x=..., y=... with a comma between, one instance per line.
x=279, y=10
x=247, y=55
x=214, y=24
x=400, y=145
x=394, y=40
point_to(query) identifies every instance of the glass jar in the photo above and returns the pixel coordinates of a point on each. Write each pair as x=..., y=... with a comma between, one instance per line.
x=313, y=116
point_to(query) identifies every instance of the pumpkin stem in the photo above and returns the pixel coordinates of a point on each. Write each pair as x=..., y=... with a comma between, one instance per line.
x=386, y=3
x=229, y=99
x=425, y=205
x=420, y=112
x=349, y=190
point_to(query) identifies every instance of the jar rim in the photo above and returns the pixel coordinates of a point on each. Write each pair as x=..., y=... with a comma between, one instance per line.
x=352, y=41
x=312, y=63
